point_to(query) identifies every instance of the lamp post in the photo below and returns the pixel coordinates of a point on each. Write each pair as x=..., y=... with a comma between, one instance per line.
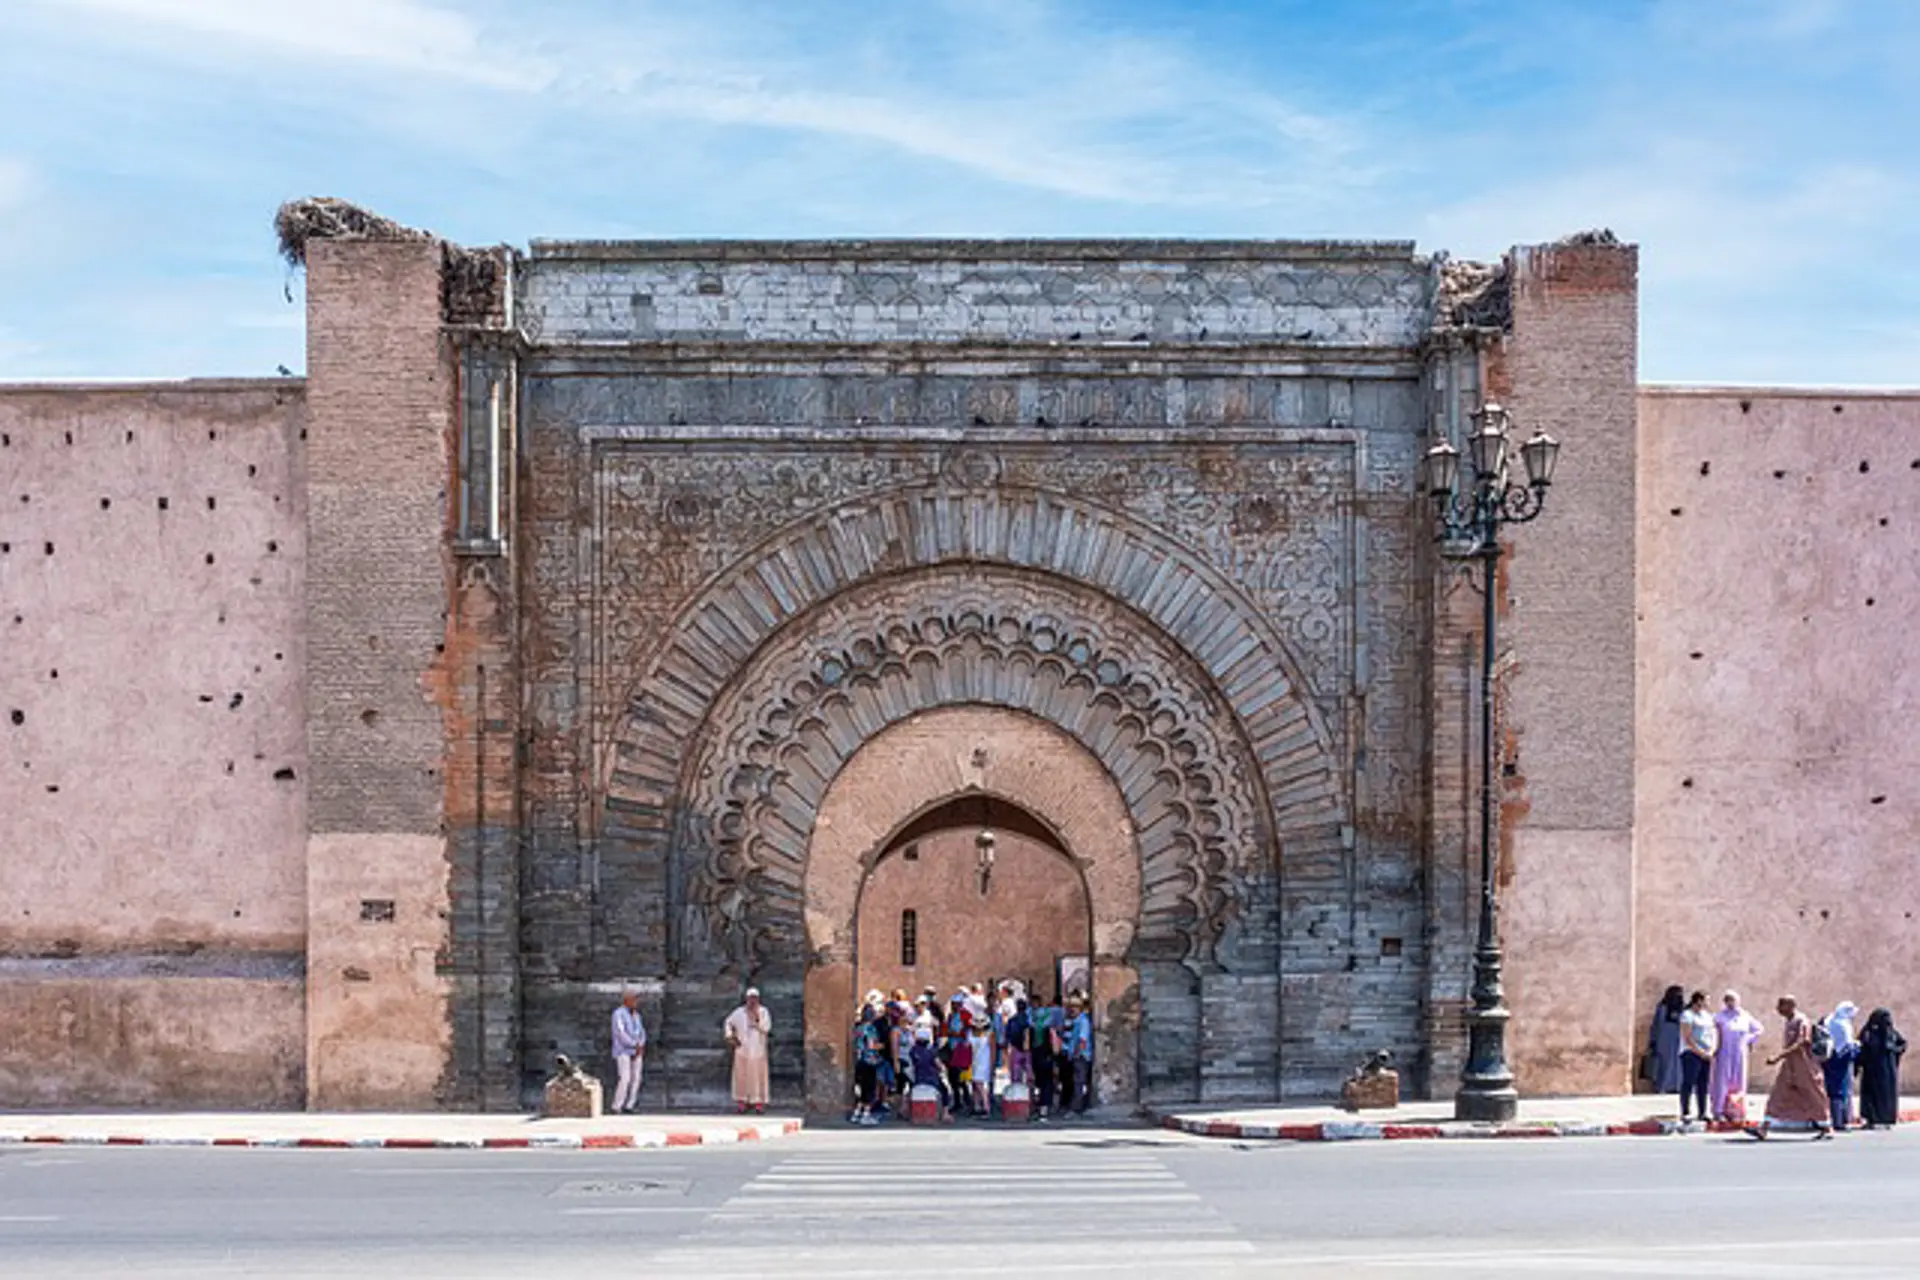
x=1469, y=512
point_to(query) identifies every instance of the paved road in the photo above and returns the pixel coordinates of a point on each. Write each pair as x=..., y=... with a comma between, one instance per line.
x=890, y=1203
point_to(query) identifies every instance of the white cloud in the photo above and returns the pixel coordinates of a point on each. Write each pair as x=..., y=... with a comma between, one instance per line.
x=399, y=35
x=1018, y=94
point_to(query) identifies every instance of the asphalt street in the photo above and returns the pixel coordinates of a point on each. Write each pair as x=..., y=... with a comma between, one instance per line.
x=892, y=1203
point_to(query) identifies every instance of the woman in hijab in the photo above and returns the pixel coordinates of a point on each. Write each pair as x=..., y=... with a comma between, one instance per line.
x=1662, y=1068
x=1838, y=1067
x=1879, y=1063
x=1738, y=1030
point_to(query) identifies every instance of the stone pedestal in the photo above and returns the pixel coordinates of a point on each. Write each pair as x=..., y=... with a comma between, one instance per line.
x=1370, y=1091
x=572, y=1097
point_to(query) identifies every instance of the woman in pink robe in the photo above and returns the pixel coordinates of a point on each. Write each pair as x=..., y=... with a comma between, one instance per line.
x=1728, y=1086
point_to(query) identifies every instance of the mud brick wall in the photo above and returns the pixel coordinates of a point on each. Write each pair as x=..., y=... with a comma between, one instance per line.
x=152, y=750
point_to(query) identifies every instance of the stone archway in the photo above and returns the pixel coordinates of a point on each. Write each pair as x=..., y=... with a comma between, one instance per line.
x=921, y=762
x=1036, y=602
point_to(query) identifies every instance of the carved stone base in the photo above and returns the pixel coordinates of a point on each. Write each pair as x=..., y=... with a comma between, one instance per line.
x=1375, y=1091
x=575, y=1097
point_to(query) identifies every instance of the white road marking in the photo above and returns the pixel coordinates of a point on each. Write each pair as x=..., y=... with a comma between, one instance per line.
x=608, y=1210
x=29, y=1217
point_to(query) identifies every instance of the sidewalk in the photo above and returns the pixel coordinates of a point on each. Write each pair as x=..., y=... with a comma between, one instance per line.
x=1638, y=1115
x=413, y=1132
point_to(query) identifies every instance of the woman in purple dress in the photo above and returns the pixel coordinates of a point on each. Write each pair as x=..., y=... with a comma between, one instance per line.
x=1738, y=1030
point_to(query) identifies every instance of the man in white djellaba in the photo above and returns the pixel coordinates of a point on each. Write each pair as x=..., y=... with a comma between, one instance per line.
x=629, y=1052
x=747, y=1029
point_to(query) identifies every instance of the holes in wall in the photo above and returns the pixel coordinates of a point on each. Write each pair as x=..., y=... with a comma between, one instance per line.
x=1674, y=511
x=1877, y=800
x=69, y=436
x=1686, y=784
x=18, y=716
x=129, y=437
x=252, y=471
x=1839, y=408
x=1746, y=406
x=284, y=775
x=1390, y=947
x=54, y=674
x=106, y=504
x=1779, y=475
x=1883, y=522
x=1706, y=468
x=273, y=547
x=49, y=547
x=1864, y=468
x=376, y=911
x=209, y=557
x=163, y=504
x=1696, y=655
x=210, y=502
x=909, y=938
x=6, y=549
x=53, y=788
x=233, y=703
x=1869, y=602
x=911, y=853
x=369, y=717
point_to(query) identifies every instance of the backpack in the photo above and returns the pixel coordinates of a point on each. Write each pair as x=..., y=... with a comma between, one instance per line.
x=1822, y=1041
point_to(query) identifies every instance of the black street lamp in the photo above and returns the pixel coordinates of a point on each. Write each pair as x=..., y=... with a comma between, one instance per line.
x=1468, y=519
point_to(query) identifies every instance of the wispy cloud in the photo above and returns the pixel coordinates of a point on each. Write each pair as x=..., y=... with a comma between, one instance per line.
x=399, y=35
x=1016, y=95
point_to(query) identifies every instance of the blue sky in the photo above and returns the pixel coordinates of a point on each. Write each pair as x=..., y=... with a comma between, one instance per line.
x=1764, y=153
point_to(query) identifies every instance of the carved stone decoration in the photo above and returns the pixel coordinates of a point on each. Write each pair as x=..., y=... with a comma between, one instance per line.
x=1272, y=517
x=879, y=654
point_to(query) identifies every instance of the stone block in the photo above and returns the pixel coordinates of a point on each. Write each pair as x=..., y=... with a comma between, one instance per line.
x=571, y=1095
x=1371, y=1091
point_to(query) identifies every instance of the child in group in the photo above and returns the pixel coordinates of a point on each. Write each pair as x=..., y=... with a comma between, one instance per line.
x=959, y=1070
x=981, y=1070
x=926, y=1066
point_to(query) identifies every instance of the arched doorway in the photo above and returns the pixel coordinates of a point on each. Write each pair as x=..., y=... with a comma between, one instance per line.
x=974, y=890
x=916, y=779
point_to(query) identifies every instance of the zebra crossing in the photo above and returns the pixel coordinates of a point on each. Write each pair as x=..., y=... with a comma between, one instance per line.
x=1033, y=1209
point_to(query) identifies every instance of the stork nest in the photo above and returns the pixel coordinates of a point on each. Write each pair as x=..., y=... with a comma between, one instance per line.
x=1476, y=295
x=327, y=218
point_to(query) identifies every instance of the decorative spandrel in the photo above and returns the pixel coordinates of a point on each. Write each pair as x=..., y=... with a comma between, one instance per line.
x=1272, y=515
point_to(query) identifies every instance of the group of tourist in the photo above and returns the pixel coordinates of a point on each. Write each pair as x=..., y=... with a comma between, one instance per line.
x=971, y=1052
x=1703, y=1056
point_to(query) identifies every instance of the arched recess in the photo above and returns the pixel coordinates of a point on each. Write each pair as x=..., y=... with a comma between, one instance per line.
x=1029, y=601
x=920, y=762
x=885, y=651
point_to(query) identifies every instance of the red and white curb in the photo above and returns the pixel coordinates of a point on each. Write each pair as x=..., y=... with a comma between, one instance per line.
x=651, y=1139
x=1387, y=1131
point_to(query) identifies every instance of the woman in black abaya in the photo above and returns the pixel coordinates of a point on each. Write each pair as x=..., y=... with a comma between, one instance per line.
x=1879, y=1067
